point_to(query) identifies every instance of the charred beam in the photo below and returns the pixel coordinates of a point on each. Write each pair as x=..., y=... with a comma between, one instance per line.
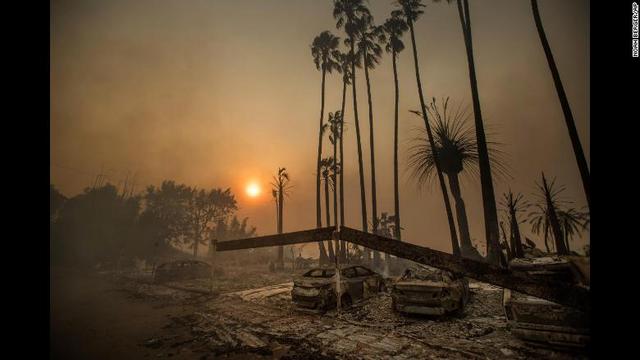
x=296, y=237
x=561, y=293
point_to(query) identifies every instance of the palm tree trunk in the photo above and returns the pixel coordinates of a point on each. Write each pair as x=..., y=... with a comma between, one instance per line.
x=504, y=238
x=461, y=213
x=363, y=199
x=323, y=253
x=445, y=196
x=518, y=251
x=546, y=238
x=328, y=212
x=396, y=199
x=488, y=196
x=566, y=110
x=326, y=199
x=343, y=252
x=280, y=225
x=374, y=203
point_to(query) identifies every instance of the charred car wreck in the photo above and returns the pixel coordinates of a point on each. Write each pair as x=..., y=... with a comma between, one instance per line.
x=316, y=290
x=426, y=291
x=539, y=321
x=182, y=270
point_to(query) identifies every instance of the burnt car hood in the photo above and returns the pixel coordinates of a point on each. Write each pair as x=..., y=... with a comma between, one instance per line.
x=313, y=282
x=421, y=285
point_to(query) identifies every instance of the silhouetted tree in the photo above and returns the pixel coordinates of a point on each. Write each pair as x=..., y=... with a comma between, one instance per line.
x=335, y=136
x=347, y=13
x=323, y=50
x=326, y=166
x=394, y=28
x=512, y=205
x=368, y=40
x=458, y=152
x=345, y=68
x=204, y=210
x=564, y=102
x=95, y=226
x=572, y=223
x=166, y=212
x=488, y=197
x=281, y=186
x=411, y=10
x=544, y=216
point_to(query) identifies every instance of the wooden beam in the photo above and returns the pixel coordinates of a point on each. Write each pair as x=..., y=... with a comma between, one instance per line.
x=296, y=237
x=561, y=293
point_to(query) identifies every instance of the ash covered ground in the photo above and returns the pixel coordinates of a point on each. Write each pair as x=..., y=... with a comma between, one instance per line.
x=249, y=315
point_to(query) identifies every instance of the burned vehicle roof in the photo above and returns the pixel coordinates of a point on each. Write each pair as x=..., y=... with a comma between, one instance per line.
x=539, y=321
x=317, y=290
x=422, y=290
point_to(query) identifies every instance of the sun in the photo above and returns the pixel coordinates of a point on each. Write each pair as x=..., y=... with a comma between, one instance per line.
x=253, y=190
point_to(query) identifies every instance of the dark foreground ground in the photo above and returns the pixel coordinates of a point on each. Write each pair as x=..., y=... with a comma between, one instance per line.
x=108, y=316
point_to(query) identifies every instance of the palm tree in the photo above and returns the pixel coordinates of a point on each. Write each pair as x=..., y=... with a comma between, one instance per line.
x=322, y=50
x=280, y=188
x=346, y=13
x=345, y=69
x=335, y=136
x=457, y=151
x=411, y=10
x=395, y=27
x=512, y=205
x=566, y=110
x=571, y=221
x=488, y=196
x=326, y=166
x=545, y=214
x=369, y=50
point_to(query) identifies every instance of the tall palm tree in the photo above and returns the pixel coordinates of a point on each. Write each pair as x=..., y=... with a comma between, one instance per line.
x=395, y=27
x=488, y=196
x=566, y=109
x=411, y=10
x=512, y=205
x=280, y=188
x=326, y=166
x=369, y=50
x=345, y=68
x=323, y=50
x=458, y=152
x=346, y=13
x=335, y=136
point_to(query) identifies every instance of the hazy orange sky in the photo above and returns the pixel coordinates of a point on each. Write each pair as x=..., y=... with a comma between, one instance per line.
x=218, y=93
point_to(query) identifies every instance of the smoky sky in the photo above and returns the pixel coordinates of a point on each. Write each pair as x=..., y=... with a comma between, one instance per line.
x=218, y=93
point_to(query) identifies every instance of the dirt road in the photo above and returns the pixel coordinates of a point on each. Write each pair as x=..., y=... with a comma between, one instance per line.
x=91, y=318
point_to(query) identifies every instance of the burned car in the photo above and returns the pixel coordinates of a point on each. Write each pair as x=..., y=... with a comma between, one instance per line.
x=315, y=291
x=538, y=321
x=182, y=270
x=426, y=291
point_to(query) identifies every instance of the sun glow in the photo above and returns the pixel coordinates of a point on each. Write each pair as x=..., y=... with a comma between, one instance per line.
x=253, y=190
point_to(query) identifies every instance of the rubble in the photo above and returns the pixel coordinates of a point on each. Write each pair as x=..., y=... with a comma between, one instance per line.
x=261, y=323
